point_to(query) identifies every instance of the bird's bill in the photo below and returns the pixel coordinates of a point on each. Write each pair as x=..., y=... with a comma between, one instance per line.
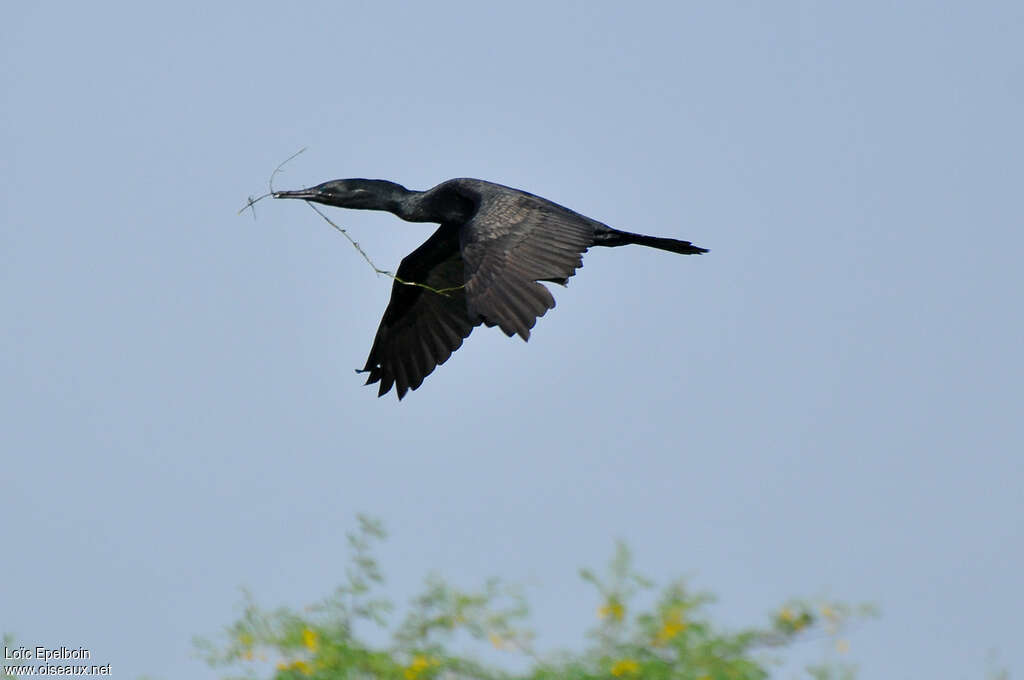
x=305, y=194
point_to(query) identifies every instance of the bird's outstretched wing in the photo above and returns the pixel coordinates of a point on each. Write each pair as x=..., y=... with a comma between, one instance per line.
x=421, y=328
x=488, y=268
x=514, y=240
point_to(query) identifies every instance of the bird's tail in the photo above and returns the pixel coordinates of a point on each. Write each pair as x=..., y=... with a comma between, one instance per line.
x=614, y=237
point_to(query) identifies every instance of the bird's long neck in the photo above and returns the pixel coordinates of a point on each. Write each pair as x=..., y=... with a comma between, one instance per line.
x=439, y=204
x=412, y=206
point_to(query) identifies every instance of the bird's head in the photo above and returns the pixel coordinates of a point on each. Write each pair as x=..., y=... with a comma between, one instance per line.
x=366, y=194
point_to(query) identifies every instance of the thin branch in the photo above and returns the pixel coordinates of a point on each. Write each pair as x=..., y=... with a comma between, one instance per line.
x=280, y=168
x=385, y=272
x=270, y=184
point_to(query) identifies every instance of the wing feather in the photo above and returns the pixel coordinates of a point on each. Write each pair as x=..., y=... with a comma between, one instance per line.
x=421, y=328
x=514, y=240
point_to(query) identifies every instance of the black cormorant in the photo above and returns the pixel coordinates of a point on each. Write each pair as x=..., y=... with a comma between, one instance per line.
x=494, y=245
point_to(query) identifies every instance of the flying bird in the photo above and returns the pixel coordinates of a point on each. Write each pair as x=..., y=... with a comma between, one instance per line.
x=482, y=265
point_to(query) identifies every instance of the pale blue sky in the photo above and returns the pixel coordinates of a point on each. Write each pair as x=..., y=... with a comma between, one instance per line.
x=827, y=403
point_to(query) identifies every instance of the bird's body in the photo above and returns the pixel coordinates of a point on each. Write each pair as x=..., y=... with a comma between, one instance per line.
x=483, y=265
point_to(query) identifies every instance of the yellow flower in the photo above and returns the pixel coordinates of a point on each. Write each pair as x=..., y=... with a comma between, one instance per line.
x=829, y=613
x=496, y=640
x=672, y=625
x=794, y=621
x=613, y=609
x=419, y=665
x=625, y=667
x=310, y=639
x=842, y=646
x=298, y=665
x=245, y=639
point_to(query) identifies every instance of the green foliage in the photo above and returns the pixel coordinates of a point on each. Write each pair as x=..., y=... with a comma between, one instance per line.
x=673, y=638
